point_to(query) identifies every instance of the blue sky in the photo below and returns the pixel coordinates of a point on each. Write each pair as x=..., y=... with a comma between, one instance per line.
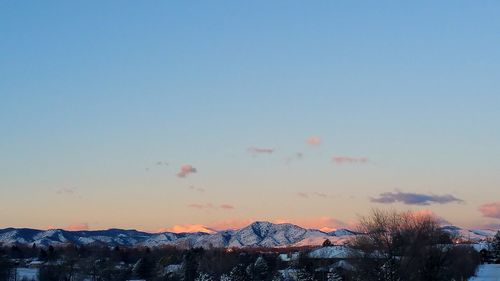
x=94, y=94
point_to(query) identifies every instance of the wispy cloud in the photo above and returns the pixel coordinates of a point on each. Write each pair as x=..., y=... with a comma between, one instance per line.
x=206, y=206
x=66, y=190
x=296, y=157
x=314, y=140
x=259, y=150
x=194, y=188
x=490, y=210
x=226, y=207
x=77, y=227
x=303, y=194
x=186, y=170
x=349, y=160
x=312, y=194
x=415, y=198
x=210, y=206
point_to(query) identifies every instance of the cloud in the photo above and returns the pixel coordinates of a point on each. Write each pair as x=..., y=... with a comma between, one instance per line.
x=491, y=210
x=77, y=227
x=325, y=224
x=231, y=224
x=226, y=207
x=314, y=140
x=312, y=194
x=210, y=228
x=415, y=198
x=206, y=206
x=349, y=160
x=210, y=206
x=187, y=228
x=66, y=190
x=186, y=170
x=259, y=150
x=303, y=194
x=429, y=213
x=198, y=189
x=296, y=157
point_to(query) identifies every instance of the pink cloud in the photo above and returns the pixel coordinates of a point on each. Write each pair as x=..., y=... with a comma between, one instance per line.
x=349, y=160
x=187, y=228
x=312, y=194
x=210, y=206
x=206, y=206
x=325, y=224
x=429, y=213
x=259, y=150
x=226, y=206
x=211, y=228
x=231, y=224
x=491, y=210
x=77, y=227
x=186, y=170
x=314, y=140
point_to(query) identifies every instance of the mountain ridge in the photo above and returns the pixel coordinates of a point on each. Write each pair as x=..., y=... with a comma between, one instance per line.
x=257, y=234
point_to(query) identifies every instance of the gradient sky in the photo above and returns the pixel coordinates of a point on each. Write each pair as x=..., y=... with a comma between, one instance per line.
x=297, y=111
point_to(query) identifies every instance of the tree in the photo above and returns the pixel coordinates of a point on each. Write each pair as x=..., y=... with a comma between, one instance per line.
x=42, y=256
x=6, y=268
x=203, y=277
x=327, y=243
x=260, y=268
x=403, y=246
x=144, y=268
x=334, y=276
x=238, y=273
x=190, y=264
x=495, y=247
x=304, y=275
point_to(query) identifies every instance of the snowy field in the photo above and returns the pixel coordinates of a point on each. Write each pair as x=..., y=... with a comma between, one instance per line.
x=487, y=272
x=27, y=273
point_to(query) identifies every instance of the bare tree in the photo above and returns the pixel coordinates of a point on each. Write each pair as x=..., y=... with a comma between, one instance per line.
x=402, y=246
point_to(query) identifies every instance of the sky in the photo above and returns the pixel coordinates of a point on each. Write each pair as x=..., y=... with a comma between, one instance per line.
x=181, y=115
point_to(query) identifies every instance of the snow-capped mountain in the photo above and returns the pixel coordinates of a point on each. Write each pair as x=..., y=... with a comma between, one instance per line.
x=257, y=234
x=474, y=235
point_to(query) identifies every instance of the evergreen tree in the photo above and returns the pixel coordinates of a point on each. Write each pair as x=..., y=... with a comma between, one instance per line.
x=42, y=256
x=144, y=268
x=334, y=276
x=495, y=247
x=6, y=268
x=238, y=273
x=304, y=275
x=190, y=265
x=327, y=243
x=204, y=277
x=260, y=269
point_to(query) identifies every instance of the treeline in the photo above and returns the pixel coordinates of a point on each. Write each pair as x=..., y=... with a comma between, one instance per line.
x=98, y=263
x=394, y=246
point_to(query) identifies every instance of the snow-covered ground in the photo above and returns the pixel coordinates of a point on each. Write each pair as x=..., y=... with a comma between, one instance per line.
x=487, y=272
x=27, y=273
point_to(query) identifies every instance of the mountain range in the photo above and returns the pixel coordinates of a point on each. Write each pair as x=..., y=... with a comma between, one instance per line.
x=257, y=234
